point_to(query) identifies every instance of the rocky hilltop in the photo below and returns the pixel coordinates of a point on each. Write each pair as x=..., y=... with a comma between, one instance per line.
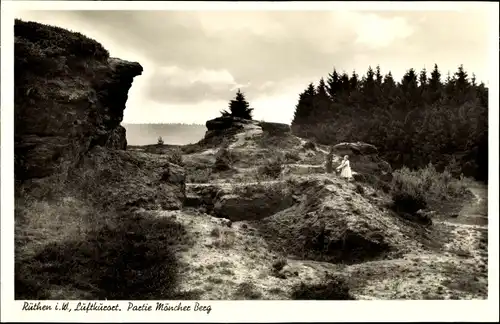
x=249, y=212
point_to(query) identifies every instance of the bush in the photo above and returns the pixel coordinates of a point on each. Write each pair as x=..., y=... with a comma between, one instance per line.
x=223, y=160
x=247, y=290
x=408, y=202
x=160, y=141
x=309, y=146
x=292, y=156
x=414, y=190
x=333, y=288
x=176, y=157
x=272, y=168
x=279, y=264
x=132, y=257
x=56, y=41
x=360, y=189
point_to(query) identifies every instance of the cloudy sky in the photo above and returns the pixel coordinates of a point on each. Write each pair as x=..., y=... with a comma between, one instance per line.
x=194, y=61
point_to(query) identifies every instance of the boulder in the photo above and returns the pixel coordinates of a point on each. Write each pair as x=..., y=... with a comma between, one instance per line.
x=358, y=148
x=252, y=201
x=223, y=123
x=254, y=207
x=275, y=129
x=69, y=97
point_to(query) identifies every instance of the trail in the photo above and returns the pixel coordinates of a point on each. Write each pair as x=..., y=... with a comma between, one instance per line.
x=475, y=212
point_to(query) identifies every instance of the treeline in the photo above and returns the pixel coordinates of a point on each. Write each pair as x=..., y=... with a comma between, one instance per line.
x=417, y=120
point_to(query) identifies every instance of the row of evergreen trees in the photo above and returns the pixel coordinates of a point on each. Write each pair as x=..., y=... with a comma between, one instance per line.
x=417, y=120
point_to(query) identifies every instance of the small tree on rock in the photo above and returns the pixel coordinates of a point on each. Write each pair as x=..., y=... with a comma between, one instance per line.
x=239, y=107
x=160, y=141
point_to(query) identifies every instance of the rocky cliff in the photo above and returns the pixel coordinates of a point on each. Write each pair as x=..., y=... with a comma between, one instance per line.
x=69, y=97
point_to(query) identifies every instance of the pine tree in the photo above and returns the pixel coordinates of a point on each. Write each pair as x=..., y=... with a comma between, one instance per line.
x=378, y=76
x=423, y=84
x=389, y=89
x=368, y=83
x=435, y=85
x=322, y=89
x=462, y=85
x=422, y=78
x=449, y=87
x=305, y=106
x=409, y=87
x=354, y=81
x=344, y=84
x=239, y=107
x=333, y=85
x=322, y=101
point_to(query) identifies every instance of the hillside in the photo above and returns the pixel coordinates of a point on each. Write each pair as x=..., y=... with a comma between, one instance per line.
x=262, y=233
x=250, y=211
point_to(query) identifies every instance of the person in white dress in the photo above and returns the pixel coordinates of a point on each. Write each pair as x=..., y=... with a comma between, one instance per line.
x=345, y=168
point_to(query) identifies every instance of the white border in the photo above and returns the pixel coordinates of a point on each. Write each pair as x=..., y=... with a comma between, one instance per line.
x=268, y=311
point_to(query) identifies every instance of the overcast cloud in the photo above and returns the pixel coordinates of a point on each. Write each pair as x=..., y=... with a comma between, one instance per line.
x=194, y=61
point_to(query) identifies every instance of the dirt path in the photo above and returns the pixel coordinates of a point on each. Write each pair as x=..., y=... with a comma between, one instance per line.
x=475, y=212
x=457, y=270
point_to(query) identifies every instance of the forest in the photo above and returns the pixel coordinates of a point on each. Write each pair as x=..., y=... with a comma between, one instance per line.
x=421, y=119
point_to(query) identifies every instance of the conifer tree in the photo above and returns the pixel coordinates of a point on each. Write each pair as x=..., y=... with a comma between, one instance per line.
x=305, y=106
x=239, y=107
x=333, y=85
x=435, y=85
x=321, y=100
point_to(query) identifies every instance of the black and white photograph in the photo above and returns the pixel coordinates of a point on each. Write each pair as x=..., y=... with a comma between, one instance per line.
x=210, y=155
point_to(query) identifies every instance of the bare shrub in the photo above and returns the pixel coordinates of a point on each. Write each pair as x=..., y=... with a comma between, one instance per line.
x=332, y=288
x=272, y=167
x=223, y=159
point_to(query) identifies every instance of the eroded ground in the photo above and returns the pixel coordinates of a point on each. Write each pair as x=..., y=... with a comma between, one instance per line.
x=237, y=260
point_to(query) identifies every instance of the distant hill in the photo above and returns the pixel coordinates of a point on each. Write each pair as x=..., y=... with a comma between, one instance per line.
x=178, y=134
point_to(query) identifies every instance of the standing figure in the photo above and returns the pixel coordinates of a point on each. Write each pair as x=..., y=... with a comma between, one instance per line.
x=345, y=168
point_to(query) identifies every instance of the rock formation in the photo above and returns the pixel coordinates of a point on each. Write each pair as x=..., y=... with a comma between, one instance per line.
x=275, y=128
x=69, y=97
x=69, y=102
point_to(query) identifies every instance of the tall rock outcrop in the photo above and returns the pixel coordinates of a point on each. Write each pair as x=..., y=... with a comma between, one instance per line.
x=69, y=97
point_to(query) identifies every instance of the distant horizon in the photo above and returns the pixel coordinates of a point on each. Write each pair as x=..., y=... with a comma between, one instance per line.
x=183, y=123
x=169, y=123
